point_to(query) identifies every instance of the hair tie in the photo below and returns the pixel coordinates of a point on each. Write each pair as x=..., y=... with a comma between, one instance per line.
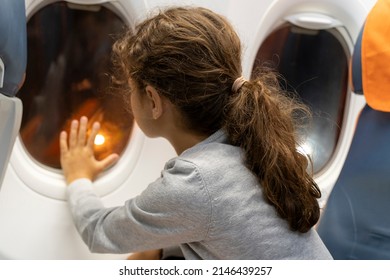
x=238, y=83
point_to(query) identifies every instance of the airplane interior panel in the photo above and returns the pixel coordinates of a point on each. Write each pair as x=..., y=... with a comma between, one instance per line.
x=69, y=74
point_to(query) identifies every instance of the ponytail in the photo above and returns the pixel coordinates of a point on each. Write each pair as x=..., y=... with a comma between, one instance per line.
x=262, y=120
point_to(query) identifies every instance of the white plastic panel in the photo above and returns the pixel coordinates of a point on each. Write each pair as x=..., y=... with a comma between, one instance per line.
x=313, y=21
x=39, y=226
x=10, y=117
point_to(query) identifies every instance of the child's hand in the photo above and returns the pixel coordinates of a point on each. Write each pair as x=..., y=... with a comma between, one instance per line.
x=77, y=159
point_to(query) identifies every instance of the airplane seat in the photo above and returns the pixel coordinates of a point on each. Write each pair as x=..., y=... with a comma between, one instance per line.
x=13, y=57
x=355, y=223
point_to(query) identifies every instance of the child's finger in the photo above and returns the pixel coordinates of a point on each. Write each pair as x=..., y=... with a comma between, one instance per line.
x=63, y=143
x=92, y=135
x=82, y=131
x=108, y=161
x=73, y=134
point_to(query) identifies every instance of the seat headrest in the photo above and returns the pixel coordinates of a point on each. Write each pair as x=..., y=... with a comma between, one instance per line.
x=13, y=46
x=371, y=58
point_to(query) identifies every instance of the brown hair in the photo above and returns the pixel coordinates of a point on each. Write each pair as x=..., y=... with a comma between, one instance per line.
x=193, y=56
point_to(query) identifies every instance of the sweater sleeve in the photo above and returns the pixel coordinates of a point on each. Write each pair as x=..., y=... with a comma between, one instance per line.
x=174, y=209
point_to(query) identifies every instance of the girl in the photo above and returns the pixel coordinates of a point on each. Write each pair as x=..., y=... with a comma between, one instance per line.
x=238, y=188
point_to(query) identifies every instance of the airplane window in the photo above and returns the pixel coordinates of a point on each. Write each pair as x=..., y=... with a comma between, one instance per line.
x=314, y=64
x=67, y=77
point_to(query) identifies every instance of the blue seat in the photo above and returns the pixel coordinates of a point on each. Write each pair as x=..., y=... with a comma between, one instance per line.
x=356, y=221
x=13, y=59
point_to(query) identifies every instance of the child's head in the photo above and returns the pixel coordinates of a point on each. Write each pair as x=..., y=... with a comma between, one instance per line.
x=192, y=57
x=189, y=55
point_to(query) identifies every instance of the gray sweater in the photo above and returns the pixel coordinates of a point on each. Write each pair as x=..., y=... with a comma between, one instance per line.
x=206, y=200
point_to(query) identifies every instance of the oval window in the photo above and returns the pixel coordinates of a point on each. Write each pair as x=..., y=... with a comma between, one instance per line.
x=68, y=76
x=314, y=64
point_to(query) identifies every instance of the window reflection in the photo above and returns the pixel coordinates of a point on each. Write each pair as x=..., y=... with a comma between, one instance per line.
x=315, y=65
x=68, y=77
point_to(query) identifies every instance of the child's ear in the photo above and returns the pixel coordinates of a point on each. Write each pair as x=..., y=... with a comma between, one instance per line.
x=156, y=102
